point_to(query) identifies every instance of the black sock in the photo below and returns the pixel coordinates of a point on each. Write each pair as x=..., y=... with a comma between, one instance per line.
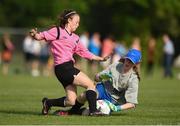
x=91, y=98
x=56, y=102
x=75, y=108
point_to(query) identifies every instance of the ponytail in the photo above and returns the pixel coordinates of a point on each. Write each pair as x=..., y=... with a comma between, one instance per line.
x=135, y=68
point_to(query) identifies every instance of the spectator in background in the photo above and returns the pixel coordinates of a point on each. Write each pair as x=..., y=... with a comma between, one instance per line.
x=119, y=51
x=0, y=56
x=95, y=44
x=84, y=38
x=32, y=49
x=108, y=46
x=27, y=49
x=168, y=55
x=150, y=56
x=50, y=64
x=7, y=50
x=136, y=44
x=36, y=48
x=44, y=57
x=95, y=48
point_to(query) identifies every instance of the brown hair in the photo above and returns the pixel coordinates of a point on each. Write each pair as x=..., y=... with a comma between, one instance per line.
x=135, y=68
x=63, y=18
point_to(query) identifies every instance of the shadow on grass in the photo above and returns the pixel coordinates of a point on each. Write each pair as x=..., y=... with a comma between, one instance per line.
x=20, y=112
x=118, y=114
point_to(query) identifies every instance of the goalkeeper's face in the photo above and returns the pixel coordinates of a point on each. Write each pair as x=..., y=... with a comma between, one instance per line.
x=128, y=64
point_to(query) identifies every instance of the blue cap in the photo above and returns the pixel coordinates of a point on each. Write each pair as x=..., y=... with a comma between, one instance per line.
x=134, y=55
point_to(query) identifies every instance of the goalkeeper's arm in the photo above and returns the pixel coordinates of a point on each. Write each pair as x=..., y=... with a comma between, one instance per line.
x=126, y=106
x=117, y=108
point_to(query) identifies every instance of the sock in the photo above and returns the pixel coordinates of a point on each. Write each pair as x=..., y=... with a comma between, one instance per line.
x=75, y=108
x=91, y=98
x=56, y=102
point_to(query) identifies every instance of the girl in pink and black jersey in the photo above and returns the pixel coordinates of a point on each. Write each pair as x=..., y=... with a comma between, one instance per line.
x=64, y=44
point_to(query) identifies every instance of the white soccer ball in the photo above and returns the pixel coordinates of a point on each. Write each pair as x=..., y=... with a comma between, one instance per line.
x=103, y=107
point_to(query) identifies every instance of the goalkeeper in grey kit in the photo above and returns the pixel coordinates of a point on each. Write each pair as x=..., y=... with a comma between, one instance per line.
x=118, y=84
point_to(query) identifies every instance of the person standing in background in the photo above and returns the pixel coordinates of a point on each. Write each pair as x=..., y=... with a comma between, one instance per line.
x=7, y=50
x=95, y=48
x=119, y=51
x=31, y=50
x=150, y=56
x=136, y=44
x=44, y=57
x=0, y=56
x=84, y=38
x=168, y=56
x=108, y=46
x=27, y=50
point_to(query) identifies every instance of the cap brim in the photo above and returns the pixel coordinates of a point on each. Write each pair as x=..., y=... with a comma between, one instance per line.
x=130, y=60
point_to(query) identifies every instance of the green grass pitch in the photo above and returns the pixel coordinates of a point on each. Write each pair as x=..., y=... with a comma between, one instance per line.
x=20, y=103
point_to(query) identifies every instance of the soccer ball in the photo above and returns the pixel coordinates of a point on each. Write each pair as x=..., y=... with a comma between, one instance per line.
x=103, y=107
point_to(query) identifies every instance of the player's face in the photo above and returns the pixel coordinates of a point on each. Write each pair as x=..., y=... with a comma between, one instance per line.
x=74, y=22
x=128, y=64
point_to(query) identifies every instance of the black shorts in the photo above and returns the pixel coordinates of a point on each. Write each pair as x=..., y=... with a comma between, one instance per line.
x=65, y=73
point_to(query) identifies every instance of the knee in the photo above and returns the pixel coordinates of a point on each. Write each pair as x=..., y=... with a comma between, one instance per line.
x=91, y=87
x=70, y=102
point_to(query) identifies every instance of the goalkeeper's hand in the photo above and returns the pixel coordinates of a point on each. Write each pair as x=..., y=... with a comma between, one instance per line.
x=105, y=77
x=113, y=107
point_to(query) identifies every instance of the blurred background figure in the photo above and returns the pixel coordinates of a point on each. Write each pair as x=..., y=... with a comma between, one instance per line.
x=0, y=56
x=176, y=64
x=36, y=48
x=168, y=56
x=119, y=51
x=32, y=50
x=95, y=48
x=7, y=51
x=136, y=43
x=44, y=57
x=50, y=65
x=84, y=38
x=107, y=49
x=27, y=49
x=150, y=56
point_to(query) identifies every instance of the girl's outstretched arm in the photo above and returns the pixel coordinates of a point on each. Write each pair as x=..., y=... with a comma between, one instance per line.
x=34, y=34
x=98, y=58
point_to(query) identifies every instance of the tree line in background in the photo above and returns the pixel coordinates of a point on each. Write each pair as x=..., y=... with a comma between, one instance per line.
x=122, y=18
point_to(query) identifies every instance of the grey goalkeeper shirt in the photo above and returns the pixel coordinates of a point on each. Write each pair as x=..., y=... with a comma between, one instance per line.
x=123, y=88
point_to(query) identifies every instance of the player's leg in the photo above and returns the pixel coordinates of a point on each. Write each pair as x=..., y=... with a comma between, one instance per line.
x=80, y=101
x=71, y=95
x=83, y=80
x=68, y=100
